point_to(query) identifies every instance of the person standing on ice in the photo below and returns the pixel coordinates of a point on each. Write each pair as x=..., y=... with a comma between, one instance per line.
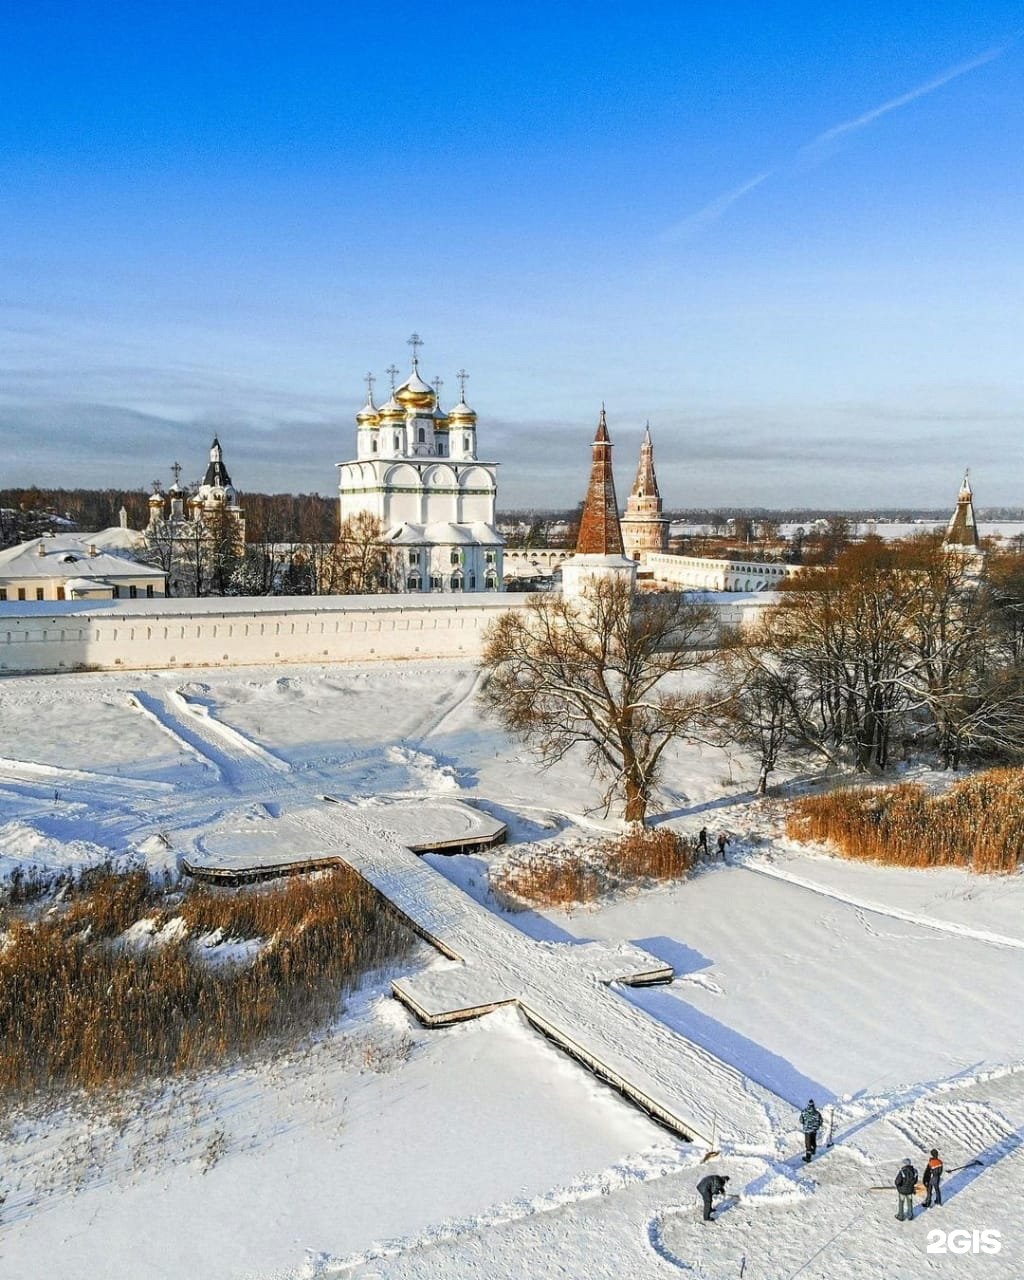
x=702, y=842
x=933, y=1180
x=723, y=840
x=905, y=1184
x=811, y=1121
x=712, y=1185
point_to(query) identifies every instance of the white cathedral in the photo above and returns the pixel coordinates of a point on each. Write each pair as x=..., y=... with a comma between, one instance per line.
x=416, y=470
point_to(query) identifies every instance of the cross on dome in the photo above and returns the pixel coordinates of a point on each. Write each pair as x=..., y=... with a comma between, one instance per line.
x=176, y=471
x=392, y=372
x=369, y=379
x=415, y=341
x=437, y=384
x=463, y=378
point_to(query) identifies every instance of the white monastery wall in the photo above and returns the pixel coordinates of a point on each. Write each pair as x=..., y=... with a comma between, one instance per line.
x=110, y=635
x=701, y=573
x=218, y=632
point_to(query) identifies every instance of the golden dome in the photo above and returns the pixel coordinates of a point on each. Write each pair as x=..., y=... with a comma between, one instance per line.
x=369, y=414
x=391, y=410
x=414, y=393
x=462, y=415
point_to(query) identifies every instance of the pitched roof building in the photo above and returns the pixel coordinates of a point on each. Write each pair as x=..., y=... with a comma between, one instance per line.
x=65, y=566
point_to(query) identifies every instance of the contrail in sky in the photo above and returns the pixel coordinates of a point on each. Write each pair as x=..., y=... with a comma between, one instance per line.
x=715, y=208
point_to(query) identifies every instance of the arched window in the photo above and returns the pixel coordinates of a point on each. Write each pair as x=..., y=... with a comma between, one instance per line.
x=412, y=583
x=422, y=436
x=456, y=581
x=465, y=443
x=398, y=442
x=373, y=445
x=492, y=582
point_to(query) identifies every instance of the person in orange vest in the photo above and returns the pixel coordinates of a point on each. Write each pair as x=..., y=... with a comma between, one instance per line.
x=932, y=1180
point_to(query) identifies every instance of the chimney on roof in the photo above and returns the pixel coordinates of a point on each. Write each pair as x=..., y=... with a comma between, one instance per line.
x=42, y=549
x=93, y=549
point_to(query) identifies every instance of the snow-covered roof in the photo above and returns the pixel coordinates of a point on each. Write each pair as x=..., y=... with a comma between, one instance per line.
x=67, y=556
x=444, y=533
x=116, y=539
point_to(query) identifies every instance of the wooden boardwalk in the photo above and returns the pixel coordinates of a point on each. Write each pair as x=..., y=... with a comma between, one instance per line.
x=567, y=991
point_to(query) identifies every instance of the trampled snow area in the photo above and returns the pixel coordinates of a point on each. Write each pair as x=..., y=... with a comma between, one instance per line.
x=479, y=1149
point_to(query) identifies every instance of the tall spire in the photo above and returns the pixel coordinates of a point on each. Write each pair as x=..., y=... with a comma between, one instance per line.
x=962, y=530
x=644, y=526
x=646, y=483
x=600, y=534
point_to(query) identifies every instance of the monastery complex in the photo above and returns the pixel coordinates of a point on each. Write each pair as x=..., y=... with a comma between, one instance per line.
x=73, y=602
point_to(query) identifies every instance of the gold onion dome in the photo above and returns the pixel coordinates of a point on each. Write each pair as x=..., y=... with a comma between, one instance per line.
x=414, y=393
x=392, y=409
x=369, y=414
x=462, y=413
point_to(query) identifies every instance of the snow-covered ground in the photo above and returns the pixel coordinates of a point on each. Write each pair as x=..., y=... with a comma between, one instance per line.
x=893, y=997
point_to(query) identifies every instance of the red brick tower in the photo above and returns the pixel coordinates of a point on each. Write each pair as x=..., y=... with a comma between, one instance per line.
x=600, y=534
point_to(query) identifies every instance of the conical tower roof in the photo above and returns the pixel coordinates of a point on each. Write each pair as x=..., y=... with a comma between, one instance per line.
x=646, y=483
x=962, y=530
x=600, y=534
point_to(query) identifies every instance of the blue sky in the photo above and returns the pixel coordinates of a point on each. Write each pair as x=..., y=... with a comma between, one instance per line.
x=789, y=237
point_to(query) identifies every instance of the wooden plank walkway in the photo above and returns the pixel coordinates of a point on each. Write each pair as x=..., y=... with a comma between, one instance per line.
x=565, y=990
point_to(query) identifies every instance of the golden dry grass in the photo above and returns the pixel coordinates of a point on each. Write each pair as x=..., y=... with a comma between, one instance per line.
x=648, y=853
x=80, y=1007
x=978, y=823
x=546, y=882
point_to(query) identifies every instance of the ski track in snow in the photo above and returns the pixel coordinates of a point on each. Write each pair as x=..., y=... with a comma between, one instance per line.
x=28, y=771
x=763, y=868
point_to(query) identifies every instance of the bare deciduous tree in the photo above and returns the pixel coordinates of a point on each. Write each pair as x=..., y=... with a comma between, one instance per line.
x=594, y=673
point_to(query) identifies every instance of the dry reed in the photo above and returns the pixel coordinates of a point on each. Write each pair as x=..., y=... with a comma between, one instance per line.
x=579, y=876
x=649, y=853
x=543, y=881
x=79, y=1005
x=978, y=823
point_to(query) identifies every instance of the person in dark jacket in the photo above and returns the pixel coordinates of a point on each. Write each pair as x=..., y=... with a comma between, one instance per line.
x=811, y=1121
x=723, y=840
x=702, y=842
x=933, y=1180
x=905, y=1184
x=712, y=1185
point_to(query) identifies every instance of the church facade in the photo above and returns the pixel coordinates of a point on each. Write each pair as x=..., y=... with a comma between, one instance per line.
x=417, y=472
